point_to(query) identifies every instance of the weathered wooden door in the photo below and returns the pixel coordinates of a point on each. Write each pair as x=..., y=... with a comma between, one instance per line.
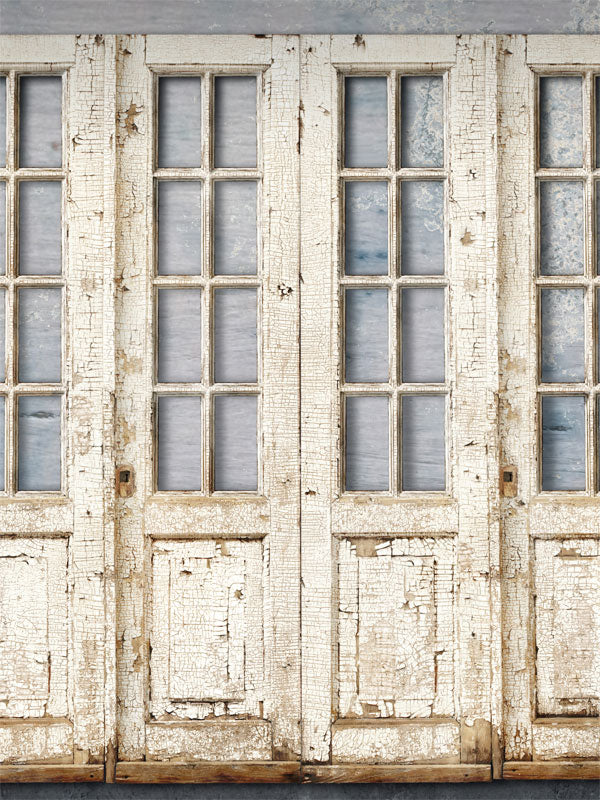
x=55, y=408
x=207, y=407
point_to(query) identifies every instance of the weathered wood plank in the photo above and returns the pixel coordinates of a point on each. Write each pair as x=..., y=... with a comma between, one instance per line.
x=403, y=773
x=551, y=771
x=247, y=772
x=59, y=773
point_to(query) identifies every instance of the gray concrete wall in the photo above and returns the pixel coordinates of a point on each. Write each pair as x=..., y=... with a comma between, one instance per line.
x=298, y=16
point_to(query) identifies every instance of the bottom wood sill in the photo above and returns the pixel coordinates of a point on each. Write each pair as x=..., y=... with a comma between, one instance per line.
x=397, y=773
x=551, y=770
x=51, y=773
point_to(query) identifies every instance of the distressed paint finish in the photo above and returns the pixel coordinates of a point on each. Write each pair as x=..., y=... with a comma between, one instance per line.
x=398, y=742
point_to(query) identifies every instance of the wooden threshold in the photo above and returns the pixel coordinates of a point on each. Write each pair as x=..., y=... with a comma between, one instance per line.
x=51, y=773
x=397, y=773
x=551, y=770
x=225, y=772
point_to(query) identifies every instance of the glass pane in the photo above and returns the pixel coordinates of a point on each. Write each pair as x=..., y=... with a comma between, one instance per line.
x=422, y=120
x=562, y=335
x=561, y=228
x=40, y=121
x=365, y=120
x=234, y=326
x=2, y=443
x=39, y=443
x=2, y=337
x=2, y=228
x=422, y=315
x=179, y=336
x=563, y=443
x=235, y=233
x=2, y=121
x=422, y=215
x=39, y=335
x=40, y=227
x=179, y=443
x=367, y=443
x=235, y=121
x=366, y=228
x=235, y=451
x=179, y=228
x=179, y=131
x=561, y=122
x=366, y=335
x=423, y=443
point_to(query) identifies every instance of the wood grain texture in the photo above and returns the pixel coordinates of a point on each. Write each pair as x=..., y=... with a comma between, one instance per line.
x=248, y=772
x=59, y=773
x=551, y=771
x=403, y=773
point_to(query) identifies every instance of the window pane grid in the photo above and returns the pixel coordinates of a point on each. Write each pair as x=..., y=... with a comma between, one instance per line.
x=214, y=288
x=33, y=385
x=567, y=286
x=365, y=342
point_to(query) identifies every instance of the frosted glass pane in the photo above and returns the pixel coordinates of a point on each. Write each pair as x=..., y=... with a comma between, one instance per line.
x=2, y=121
x=422, y=315
x=562, y=335
x=2, y=443
x=179, y=336
x=39, y=443
x=179, y=228
x=422, y=121
x=422, y=234
x=366, y=335
x=2, y=228
x=235, y=121
x=367, y=443
x=179, y=443
x=366, y=124
x=40, y=121
x=2, y=337
x=561, y=122
x=235, y=448
x=179, y=131
x=423, y=443
x=39, y=335
x=366, y=228
x=235, y=233
x=40, y=227
x=234, y=326
x=561, y=228
x=563, y=443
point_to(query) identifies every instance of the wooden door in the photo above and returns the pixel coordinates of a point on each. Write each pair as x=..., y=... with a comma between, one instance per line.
x=549, y=413
x=55, y=406
x=207, y=408
x=398, y=365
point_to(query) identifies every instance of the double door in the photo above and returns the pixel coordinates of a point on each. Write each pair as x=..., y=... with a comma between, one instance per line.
x=300, y=408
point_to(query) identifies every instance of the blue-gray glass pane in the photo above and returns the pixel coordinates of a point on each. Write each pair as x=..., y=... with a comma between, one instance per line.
x=179, y=336
x=561, y=228
x=38, y=440
x=2, y=337
x=422, y=317
x=366, y=335
x=2, y=121
x=179, y=443
x=561, y=122
x=423, y=443
x=235, y=448
x=39, y=335
x=234, y=336
x=563, y=443
x=365, y=122
x=40, y=121
x=235, y=233
x=422, y=233
x=235, y=121
x=179, y=116
x=2, y=228
x=179, y=228
x=40, y=227
x=367, y=443
x=2, y=443
x=562, y=335
x=422, y=121
x=366, y=248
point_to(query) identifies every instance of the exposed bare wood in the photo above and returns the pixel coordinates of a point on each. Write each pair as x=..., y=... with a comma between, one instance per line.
x=403, y=773
x=551, y=771
x=248, y=772
x=63, y=773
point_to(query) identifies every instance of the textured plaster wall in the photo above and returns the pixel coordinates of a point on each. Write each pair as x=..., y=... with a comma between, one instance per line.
x=302, y=16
